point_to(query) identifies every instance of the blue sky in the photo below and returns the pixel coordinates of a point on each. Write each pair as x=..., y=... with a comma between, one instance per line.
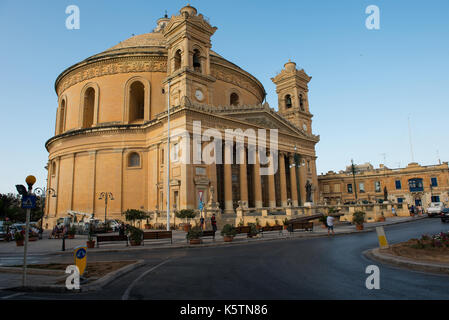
x=365, y=83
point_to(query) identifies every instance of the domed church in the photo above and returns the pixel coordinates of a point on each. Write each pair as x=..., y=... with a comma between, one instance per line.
x=112, y=122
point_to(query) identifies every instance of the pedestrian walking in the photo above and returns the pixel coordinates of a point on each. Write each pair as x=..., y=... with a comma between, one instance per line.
x=330, y=225
x=393, y=211
x=202, y=223
x=213, y=222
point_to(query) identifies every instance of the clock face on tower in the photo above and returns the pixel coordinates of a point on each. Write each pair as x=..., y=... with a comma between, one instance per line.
x=304, y=126
x=199, y=95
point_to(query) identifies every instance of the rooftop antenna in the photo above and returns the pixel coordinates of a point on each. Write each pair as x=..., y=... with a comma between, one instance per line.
x=166, y=15
x=438, y=156
x=410, y=139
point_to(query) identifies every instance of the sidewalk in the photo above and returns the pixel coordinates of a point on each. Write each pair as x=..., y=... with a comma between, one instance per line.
x=54, y=246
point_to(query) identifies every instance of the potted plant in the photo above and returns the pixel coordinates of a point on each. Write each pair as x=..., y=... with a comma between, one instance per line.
x=33, y=236
x=71, y=232
x=258, y=226
x=147, y=224
x=358, y=219
x=228, y=232
x=186, y=214
x=323, y=221
x=382, y=217
x=90, y=238
x=253, y=230
x=134, y=215
x=19, y=237
x=193, y=235
x=285, y=222
x=135, y=236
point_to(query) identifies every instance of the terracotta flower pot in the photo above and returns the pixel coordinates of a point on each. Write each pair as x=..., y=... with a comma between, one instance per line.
x=187, y=227
x=359, y=226
x=285, y=227
x=19, y=243
x=228, y=238
x=381, y=219
x=147, y=226
x=135, y=243
x=323, y=226
x=70, y=236
x=33, y=238
x=90, y=244
x=195, y=241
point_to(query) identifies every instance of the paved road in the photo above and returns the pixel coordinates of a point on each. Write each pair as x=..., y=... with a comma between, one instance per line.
x=319, y=268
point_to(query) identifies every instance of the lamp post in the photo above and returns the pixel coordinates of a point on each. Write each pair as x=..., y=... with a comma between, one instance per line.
x=353, y=177
x=296, y=166
x=168, y=157
x=106, y=196
x=42, y=192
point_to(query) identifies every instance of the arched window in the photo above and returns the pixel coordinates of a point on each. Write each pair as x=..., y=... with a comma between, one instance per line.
x=177, y=60
x=196, y=60
x=234, y=99
x=62, y=117
x=301, y=102
x=134, y=160
x=288, y=101
x=88, y=112
x=136, y=101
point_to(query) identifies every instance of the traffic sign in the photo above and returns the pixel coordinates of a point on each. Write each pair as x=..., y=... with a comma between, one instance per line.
x=28, y=202
x=80, y=254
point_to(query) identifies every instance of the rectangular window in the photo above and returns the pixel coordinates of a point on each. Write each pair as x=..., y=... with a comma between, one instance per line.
x=434, y=182
x=400, y=200
x=377, y=186
x=435, y=198
x=175, y=152
x=349, y=188
x=362, y=187
x=336, y=188
x=326, y=188
x=398, y=184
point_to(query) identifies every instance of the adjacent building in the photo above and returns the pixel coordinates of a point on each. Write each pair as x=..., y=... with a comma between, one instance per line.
x=412, y=185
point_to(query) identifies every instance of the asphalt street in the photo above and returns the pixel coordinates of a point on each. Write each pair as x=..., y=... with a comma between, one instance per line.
x=318, y=268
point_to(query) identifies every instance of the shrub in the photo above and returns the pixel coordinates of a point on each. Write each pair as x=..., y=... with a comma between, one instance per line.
x=135, y=234
x=19, y=236
x=186, y=213
x=228, y=230
x=253, y=228
x=358, y=217
x=133, y=215
x=194, y=233
x=323, y=220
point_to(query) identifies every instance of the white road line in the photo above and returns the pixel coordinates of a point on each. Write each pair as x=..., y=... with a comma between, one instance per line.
x=128, y=290
x=13, y=295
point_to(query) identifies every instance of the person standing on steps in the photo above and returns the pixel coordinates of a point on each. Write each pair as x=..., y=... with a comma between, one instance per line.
x=213, y=222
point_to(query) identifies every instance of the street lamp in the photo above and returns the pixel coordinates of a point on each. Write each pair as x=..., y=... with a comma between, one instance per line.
x=105, y=196
x=42, y=192
x=353, y=177
x=296, y=165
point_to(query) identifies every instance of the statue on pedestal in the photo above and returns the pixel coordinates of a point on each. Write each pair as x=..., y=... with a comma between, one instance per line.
x=308, y=191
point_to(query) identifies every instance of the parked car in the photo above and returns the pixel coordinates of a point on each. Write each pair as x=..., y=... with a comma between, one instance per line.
x=3, y=234
x=435, y=209
x=445, y=215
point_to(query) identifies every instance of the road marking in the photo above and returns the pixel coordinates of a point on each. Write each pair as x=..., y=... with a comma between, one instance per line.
x=128, y=290
x=13, y=295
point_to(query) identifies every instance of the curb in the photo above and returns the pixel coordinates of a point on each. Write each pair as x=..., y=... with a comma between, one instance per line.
x=213, y=244
x=34, y=271
x=376, y=255
x=94, y=286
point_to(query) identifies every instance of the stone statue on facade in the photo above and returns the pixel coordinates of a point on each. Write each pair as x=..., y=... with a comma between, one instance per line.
x=308, y=191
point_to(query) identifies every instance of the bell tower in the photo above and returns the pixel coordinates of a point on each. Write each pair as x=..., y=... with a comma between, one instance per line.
x=292, y=88
x=188, y=68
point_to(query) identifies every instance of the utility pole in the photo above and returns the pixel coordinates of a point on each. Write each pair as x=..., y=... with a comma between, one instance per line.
x=353, y=177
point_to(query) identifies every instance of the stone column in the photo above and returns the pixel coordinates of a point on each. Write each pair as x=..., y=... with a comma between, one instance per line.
x=228, y=188
x=283, y=180
x=243, y=180
x=257, y=183
x=293, y=185
x=271, y=184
